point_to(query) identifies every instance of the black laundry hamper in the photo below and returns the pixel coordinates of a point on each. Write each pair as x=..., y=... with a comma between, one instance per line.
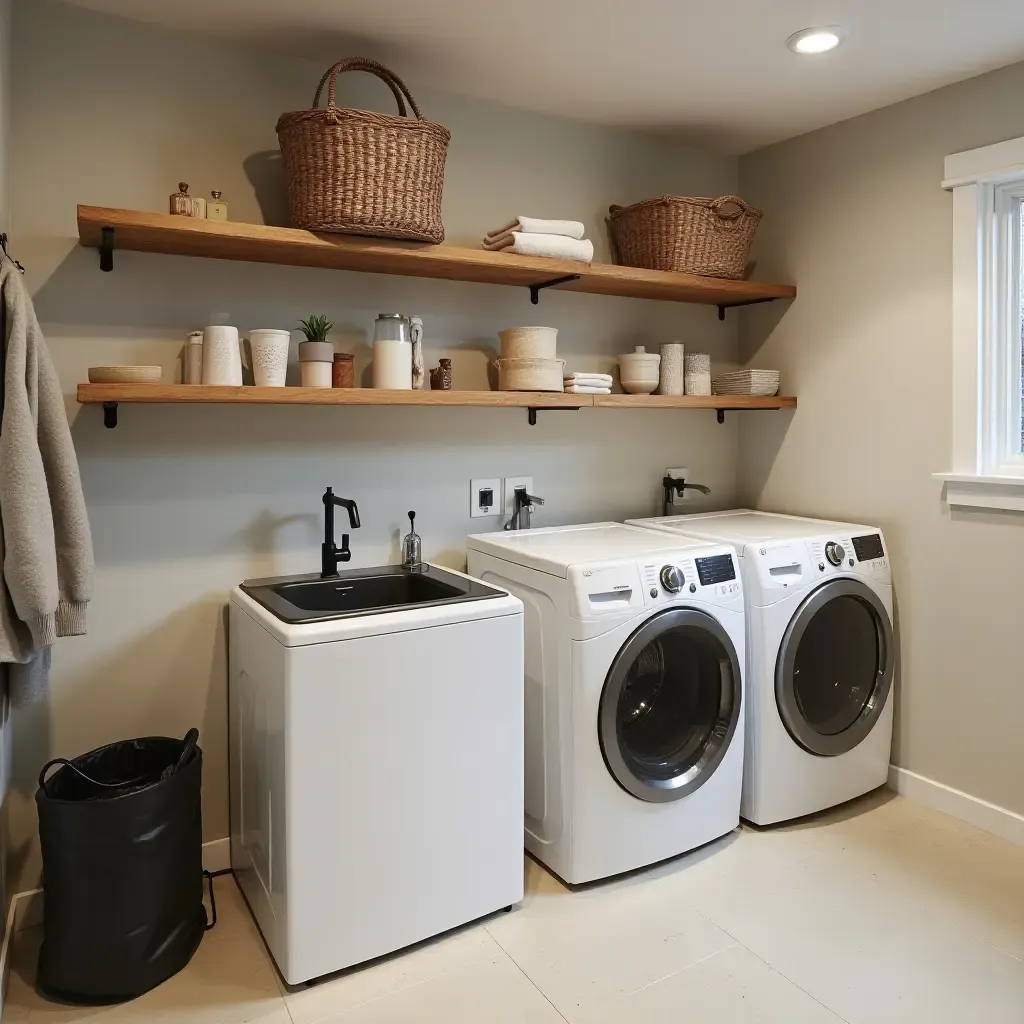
x=121, y=835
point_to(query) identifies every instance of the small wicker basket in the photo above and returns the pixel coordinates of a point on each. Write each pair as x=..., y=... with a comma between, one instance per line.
x=364, y=173
x=687, y=235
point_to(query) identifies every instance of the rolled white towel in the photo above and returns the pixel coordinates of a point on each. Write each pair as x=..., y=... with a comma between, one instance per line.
x=594, y=380
x=539, y=226
x=557, y=246
x=586, y=389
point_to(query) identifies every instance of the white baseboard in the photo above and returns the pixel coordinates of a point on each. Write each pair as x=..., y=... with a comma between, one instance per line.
x=980, y=813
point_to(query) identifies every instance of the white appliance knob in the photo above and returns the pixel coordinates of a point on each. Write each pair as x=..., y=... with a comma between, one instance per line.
x=672, y=578
x=834, y=552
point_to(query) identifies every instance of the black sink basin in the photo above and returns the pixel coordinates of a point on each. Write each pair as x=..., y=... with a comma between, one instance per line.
x=297, y=599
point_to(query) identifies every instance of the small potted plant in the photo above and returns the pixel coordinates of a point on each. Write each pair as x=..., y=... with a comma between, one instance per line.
x=316, y=353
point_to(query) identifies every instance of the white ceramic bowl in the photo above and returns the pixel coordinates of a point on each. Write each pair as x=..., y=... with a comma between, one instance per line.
x=528, y=342
x=638, y=385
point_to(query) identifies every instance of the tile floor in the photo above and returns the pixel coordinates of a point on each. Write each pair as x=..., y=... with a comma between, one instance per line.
x=879, y=911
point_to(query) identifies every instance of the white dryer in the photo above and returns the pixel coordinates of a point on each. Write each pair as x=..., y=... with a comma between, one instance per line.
x=820, y=657
x=634, y=689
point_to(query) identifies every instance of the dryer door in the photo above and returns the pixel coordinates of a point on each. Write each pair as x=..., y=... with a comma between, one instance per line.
x=670, y=704
x=835, y=667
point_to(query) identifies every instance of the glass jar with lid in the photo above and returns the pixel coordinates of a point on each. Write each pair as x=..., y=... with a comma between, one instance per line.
x=392, y=352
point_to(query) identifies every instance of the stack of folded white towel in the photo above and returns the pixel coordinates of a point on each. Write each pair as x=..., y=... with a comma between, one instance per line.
x=588, y=383
x=532, y=236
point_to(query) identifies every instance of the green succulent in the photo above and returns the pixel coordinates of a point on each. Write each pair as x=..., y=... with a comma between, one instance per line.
x=316, y=328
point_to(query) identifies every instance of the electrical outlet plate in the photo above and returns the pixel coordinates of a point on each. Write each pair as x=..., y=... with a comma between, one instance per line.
x=478, y=510
x=679, y=474
x=511, y=483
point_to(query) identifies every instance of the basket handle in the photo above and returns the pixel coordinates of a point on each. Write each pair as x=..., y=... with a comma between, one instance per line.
x=739, y=207
x=398, y=88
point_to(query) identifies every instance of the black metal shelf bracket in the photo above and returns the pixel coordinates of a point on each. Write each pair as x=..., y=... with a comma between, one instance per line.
x=531, y=412
x=535, y=288
x=734, y=305
x=110, y=415
x=720, y=415
x=107, y=250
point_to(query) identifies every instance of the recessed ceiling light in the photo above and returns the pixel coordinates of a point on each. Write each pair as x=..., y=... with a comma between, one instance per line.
x=815, y=40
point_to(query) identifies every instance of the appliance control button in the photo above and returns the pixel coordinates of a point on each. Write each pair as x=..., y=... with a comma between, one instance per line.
x=821, y=566
x=693, y=588
x=672, y=578
x=851, y=563
x=654, y=591
x=834, y=552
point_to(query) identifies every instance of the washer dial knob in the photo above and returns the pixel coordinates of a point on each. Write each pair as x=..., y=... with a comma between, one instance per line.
x=672, y=578
x=834, y=552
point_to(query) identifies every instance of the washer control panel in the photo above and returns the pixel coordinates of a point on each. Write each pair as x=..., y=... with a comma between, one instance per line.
x=708, y=577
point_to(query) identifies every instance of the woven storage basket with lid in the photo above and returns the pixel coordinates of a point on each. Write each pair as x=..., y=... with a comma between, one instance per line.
x=684, y=234
x=364, y=173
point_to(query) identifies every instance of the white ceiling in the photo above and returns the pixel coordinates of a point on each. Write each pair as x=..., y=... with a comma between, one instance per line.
x=716, y=71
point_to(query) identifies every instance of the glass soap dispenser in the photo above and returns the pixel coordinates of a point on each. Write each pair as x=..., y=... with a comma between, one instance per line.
x=412, y=549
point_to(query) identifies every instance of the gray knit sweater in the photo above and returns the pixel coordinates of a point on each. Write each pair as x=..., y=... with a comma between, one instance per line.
x=45, y=545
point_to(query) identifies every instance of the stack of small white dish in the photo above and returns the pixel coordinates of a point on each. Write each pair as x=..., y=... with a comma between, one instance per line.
x=528, y=360
x=764, y=383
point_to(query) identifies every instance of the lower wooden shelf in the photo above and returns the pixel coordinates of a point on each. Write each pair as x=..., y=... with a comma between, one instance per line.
x=111, y=395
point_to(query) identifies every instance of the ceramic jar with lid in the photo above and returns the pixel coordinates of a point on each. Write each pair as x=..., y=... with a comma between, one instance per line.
x=343, y=371
x=638, y=371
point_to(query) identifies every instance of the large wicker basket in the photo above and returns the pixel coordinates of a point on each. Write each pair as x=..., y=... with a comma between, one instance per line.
x=710, y=237
x=364, y=173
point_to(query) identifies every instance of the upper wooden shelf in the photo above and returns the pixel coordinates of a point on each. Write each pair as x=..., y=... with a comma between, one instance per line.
x=110, y=395
x=109, y=229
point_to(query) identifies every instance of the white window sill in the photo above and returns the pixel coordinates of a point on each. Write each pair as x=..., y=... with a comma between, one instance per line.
x=976, y=491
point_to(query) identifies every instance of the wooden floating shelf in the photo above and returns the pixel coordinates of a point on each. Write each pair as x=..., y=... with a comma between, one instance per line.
x=109, y=229
x=111, y=395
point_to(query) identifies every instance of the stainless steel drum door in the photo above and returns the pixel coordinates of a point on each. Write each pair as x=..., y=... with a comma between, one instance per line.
x=835, y=667
x=670, y=704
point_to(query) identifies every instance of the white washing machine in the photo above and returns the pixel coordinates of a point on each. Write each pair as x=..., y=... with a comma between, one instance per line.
x=820, y=657
x=634, y=690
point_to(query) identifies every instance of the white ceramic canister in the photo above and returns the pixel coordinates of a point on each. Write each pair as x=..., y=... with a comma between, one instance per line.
x=638, y=371
x=269, y=352
x=671, y=374
x=222, y=361
x=392, y=353
x=316, y=360
x=697, y=373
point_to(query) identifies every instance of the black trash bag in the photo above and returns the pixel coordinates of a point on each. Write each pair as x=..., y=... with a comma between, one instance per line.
x=122, y=843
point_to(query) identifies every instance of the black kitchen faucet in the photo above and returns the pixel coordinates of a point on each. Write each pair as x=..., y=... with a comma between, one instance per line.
x=330, y=556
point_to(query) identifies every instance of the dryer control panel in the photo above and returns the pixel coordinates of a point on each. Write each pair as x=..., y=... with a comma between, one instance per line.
x=600, y=590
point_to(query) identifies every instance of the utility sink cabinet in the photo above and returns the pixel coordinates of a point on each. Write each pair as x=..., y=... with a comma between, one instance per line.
x=376, y=760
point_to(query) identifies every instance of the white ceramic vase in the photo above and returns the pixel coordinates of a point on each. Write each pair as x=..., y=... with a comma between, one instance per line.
x=222, y=360
x=269, y=352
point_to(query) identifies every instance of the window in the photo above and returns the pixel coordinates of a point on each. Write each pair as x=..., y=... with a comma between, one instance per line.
x=988, y=327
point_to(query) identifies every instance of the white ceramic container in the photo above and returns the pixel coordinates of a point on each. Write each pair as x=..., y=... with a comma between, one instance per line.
x=316, y=363
x=639, y=371
x=269, y=351
x=222, y=360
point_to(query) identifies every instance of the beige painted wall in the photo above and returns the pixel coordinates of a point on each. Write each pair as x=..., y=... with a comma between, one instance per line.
x=185, y=503
x=856, y=217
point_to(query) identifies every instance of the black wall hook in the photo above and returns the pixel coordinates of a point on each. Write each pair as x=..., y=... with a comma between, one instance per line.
x=3, y=245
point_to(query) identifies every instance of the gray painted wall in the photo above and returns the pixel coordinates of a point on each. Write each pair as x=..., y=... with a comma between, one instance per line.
x=187, y=502
x=856, y=216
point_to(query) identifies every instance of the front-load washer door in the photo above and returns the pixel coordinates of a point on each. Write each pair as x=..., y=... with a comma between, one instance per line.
x=835, y=667
x=670, y=704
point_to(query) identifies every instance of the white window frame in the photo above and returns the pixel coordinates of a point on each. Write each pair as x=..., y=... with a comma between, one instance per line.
x=987, y=464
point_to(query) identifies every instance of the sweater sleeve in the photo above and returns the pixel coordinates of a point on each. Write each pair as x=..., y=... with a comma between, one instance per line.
x=30, y=562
